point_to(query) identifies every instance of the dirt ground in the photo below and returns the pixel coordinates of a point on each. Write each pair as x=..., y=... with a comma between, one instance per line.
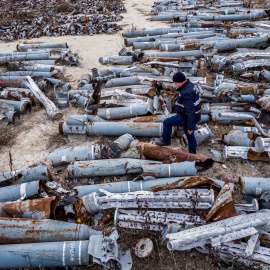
x=34, y=136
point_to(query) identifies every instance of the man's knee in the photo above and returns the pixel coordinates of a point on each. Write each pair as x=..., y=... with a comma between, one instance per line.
x=167, y=122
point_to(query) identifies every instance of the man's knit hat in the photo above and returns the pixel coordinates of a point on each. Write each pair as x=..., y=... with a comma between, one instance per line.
x=179, y=77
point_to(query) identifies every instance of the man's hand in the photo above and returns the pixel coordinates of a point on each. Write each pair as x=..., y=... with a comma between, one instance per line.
x=190, y=132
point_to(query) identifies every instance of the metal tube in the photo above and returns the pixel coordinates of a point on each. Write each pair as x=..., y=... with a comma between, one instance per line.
x=262, y=144
x=199, y=32
x=107, y=167
x=29, y=73
x=26, y=47
x=61, y=254
x=123, y=112
x=169, y=17
x=23, y=106
x=112, y=128
x=25, y=175
x=121, y=144
x=185, y=168
x=116, y=60
x=38, y=56
x=18, y=230
x=52, y=111
x=153, y=32
x=11, y=83
x=244, y=116
x=250, y=64
x=21, y=191
x=32, y=62
x=79, y=153
x=122, y=81
x=157, y=184
x=238, y=138
x=182, y=54
x=218, y=232
x=254, y=185
x=118, y=129
x=43, y=208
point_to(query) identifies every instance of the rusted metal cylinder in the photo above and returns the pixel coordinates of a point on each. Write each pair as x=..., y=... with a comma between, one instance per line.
x=18, y=230
x=18, y=94
x=15, y=83
x=43, y=208
x=121, y=144
x=23, y=106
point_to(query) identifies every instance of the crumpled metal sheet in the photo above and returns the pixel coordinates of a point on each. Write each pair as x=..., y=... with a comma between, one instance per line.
x=223, y=206
x=264, y=102
x=167, y=155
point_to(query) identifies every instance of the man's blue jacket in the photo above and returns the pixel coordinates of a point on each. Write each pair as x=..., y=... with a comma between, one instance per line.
x=188, y=104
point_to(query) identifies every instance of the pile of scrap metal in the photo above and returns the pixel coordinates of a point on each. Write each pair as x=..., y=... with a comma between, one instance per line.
x=44, y=64
x=34, y=219
x=24, y=19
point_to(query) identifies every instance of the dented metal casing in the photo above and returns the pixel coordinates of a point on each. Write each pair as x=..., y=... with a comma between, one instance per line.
x=23, y=106
x=25, y=175
x=238, y=138
x=107, y=167
x=43, y=208
x=19, y=191
x=79, y=153
x=121, y=144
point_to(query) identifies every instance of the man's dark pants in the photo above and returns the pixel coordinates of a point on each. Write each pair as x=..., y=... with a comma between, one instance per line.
x=180, y=121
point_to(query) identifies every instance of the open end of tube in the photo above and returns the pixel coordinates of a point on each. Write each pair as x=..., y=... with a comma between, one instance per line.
x=27, y=107
x=61, y=127
x=169, y=246
x=242, y=184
